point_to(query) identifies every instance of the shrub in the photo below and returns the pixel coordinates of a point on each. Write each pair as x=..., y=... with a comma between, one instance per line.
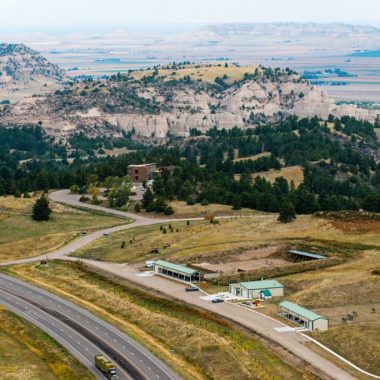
x=83, y=198
x=169, y=210
x=205, y=202
x=137, y=207
x=190, y=201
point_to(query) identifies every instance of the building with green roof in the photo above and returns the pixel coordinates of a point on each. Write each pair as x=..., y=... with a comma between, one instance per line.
x=176, y=271
x=257, y=289
x=303, y=317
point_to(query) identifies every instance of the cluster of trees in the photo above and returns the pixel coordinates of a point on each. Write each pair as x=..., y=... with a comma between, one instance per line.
x=153, y=202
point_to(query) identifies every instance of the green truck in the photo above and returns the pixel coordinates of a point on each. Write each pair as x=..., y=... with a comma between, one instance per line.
x=106, y=367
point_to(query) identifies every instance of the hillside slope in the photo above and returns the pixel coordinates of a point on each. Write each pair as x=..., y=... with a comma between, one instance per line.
x=24, y=72
x=176, y=99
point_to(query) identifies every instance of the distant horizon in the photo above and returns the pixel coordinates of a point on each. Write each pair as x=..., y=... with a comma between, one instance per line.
x=166, y=28
x=82, y=15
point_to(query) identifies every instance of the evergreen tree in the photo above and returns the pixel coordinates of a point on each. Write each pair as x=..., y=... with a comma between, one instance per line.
x=148, y=198
x=41, y=209
x=287, y=212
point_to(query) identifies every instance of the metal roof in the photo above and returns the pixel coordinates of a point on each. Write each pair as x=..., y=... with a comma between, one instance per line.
x=301, y=311
x=175, y=267
x=306, y=254
x=263, y=284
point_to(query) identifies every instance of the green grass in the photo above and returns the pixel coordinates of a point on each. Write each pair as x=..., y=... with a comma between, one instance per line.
x=28, y=353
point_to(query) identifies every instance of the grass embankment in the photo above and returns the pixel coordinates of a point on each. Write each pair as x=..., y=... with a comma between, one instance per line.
x=197, y=344
x=22, y=237
x=28, y=353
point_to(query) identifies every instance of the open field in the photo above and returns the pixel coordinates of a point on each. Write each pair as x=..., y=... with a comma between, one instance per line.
x=28, y=353
x=202, y=72
x=195, y=343
x=23, y=237
x=290, y=173
x=182, y=210
x=232, y=238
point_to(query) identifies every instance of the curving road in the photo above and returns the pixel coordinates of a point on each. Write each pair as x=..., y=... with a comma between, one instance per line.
x=82, y=333
x=270, y=328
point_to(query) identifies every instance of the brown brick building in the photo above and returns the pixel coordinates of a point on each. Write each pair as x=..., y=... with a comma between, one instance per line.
x=141, y=173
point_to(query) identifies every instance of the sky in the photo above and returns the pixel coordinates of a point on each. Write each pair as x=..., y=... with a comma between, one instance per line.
x=82, y=14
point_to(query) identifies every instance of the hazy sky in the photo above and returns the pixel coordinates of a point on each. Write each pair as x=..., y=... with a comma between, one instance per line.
x=121, y=13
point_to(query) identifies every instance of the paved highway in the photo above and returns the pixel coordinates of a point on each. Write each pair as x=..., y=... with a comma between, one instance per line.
x=82, y=333
x=257, y=322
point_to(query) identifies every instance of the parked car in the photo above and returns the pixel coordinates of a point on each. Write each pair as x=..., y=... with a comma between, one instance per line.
x=192, y=289
x=217, y=300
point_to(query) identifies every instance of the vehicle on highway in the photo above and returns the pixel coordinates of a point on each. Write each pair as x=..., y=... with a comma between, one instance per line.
x=106, y=367
x=217, y=300
x=192, y=289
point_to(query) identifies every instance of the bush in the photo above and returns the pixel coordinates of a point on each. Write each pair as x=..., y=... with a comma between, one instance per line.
x=205, y=202
x=190, y=201
x=74, y=189
x=137, y=207
x=83, y=198
x=122, y=245
x=26, y=195
x=169, y=210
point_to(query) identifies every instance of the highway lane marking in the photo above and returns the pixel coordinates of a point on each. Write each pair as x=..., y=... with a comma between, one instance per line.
x=71, y=312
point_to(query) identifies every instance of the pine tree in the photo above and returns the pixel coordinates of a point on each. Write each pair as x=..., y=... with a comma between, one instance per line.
x=287, y=212
x=41, y=209
x=148, y=198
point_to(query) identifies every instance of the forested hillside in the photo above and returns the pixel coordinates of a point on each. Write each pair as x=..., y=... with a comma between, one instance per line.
x=339, y=159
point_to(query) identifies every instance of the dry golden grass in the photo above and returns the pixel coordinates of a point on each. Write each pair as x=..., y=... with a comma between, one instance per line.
x=27, y=353
x=23, y=237
x=204, y=73
x=338, y=291
x=290, y=173
x=205, y=346
x=183, y=210
x=199, y=240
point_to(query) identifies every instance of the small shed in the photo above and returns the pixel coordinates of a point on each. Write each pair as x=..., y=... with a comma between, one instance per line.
x=303, y=317
x=254, y=289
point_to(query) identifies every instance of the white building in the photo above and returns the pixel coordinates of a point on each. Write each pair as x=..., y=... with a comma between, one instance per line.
x=257, y=289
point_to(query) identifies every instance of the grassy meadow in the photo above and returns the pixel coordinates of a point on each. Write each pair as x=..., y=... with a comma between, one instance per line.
x=199, y=241
x=27, y=353
x=22, y=237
